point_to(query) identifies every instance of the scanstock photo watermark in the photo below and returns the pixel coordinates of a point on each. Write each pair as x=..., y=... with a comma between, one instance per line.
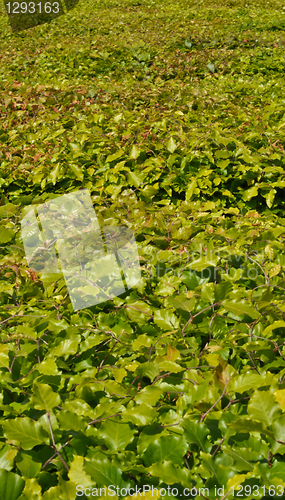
x=145, y=490
x=28, y=14
x=204, y=264
x=63, y=240
x=239, y=491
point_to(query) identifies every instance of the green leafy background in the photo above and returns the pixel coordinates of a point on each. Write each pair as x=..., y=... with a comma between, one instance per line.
x=172, y=115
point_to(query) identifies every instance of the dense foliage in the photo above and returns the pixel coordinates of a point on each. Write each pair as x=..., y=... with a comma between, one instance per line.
x=171, y=113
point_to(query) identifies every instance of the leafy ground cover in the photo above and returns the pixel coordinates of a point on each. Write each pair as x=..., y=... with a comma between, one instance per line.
x=172, y=115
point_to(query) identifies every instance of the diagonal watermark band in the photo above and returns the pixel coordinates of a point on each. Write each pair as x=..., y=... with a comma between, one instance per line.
x=63, y=237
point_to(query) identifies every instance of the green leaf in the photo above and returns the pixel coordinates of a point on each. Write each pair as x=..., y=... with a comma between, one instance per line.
x=29, y=464
x=168, y=285
x=273, y=326
x=6, y=461
x=11, y=485
x=8, y=210
x=70, y=421
x=4, y=356
x=278, y=428
x=148, y=369
x=204, y=262
x=78, y=172
x=149, y=395
x=171, y=474
x=182, y=302
x=135, y=178
x=51, y=493
x=6, y=234
x=116, y=434
x=166, y=320
x=263, y=407
x=44, y=398
x=220, y=474
x=32, y=490
x=141, y=340
x=236, y=480
x=280, y=398
x=171, y=145
x=191, y=279
x=165, y=448
x=250, y=193
x=211, y=67
x=135, y=152
x=114, y=156
x=170, y=366
x=54, y=173
x=222, y=290
x=138, y=311
x=67, y=489
x=240, y=308
x=248, y=381
x=76, y=473
x=65, y=348
x=24, y=432
x=207, y=292
x=48, y=367
x=190, y=190
x=222, y=164
x=142, y=414
x=270, y=197
x=197, y=432
x=278, y=470
x=245, y=425
x=79, y=407
x=103, y=473
x=241, y=463
x=274, y=270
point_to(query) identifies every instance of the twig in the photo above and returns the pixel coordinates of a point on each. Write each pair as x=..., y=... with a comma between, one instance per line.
x=104, y=418
x=132, y=383
x=198, y=367
x=109, y=352
x=272, y=342
x=213, y=406
x=186, y=462
x=190, y=380
x=22, y=316
x=54, y=445
x=170, y=425
x=235, y=401
x=38, y=351
x=51, y=458
x=25, y=374
x=266, y=276
x=253, y=363
x=161, y=376
x=213, y=454
x=212, y=319
x=197, y=314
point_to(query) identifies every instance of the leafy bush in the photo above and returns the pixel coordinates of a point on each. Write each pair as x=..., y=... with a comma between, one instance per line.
x=171, y=115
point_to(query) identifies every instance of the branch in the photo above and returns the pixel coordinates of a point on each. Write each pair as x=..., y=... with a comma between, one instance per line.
x=197, y=314
x=222, y=440
x=54, y=445
x=265, y=274
x=253, y=363
x=51, y=458
x=22, y=316
x=213, y=406
x=104, y=418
